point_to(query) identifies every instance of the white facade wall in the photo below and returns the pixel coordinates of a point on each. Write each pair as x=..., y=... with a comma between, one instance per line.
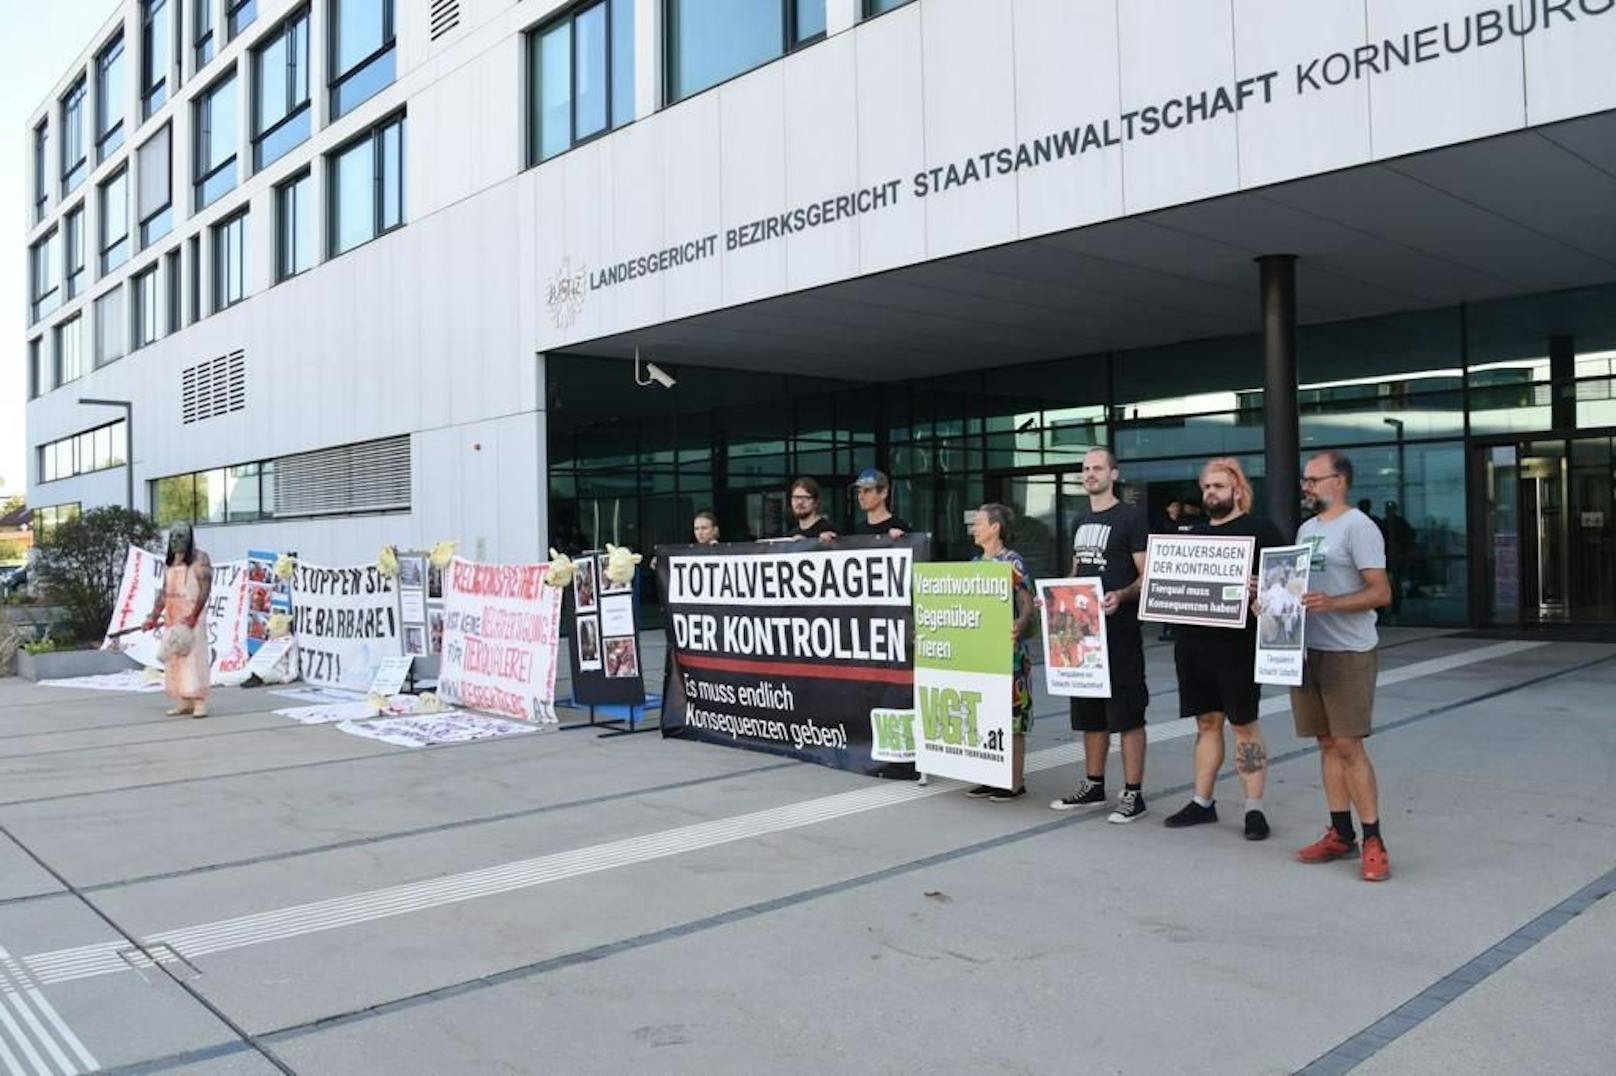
x=437, y=329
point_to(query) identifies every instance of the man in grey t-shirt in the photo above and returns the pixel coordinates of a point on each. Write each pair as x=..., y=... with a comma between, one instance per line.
x=1347, y=583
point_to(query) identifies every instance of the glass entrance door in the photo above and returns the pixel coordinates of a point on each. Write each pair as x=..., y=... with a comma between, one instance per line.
x=1550, y=530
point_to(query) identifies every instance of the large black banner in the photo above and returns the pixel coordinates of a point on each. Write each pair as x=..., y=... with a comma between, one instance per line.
x=787, y=647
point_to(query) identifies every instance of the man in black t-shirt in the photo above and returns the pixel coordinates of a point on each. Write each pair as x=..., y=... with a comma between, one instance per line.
x=805, y=517
x=872, y=490
x=1110, y=543
x=1215, y=665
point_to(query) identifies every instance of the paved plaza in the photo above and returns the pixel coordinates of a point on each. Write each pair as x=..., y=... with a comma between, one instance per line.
x=245, y=893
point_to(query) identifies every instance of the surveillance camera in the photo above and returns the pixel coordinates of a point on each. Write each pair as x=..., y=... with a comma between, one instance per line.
x=660, y=376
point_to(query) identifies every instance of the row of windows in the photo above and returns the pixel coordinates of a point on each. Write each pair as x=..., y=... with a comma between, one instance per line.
x=52, y=516
x=362, y=63
x=365, y=198
x=581, y=66
x=93, y=450
x=221, y=495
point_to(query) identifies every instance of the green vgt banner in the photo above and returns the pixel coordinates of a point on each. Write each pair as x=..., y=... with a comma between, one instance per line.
x=964, y=615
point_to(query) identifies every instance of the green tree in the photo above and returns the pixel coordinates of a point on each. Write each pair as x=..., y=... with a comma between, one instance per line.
x=81, y=564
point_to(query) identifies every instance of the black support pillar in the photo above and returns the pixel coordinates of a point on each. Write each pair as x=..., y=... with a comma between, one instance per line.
x=1281, y=434
x=1563, y=389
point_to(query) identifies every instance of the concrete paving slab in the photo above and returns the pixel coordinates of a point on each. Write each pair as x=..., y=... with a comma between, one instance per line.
x=20, y=875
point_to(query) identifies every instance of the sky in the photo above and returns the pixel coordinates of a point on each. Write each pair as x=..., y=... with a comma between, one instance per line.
x=42, y=39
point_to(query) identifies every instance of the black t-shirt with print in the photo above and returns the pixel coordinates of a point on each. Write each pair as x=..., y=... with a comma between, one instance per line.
x=1104, y=545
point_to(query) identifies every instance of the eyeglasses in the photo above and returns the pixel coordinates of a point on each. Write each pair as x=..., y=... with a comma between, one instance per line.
x=803, y=497
x=1309, y=480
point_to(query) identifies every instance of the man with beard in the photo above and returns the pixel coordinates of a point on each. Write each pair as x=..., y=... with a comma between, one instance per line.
x=1215, y=679
x=1337, y=696
x=1110, y=543
x=808, y=523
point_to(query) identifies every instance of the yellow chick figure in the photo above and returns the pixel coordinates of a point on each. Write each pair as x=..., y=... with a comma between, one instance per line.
x=620, y=563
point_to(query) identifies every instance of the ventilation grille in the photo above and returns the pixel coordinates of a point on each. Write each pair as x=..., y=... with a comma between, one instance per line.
x=445, y=17
x=373, y=476
x=213, y=388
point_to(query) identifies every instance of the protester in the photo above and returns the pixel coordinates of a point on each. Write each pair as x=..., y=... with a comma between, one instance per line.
x=1110, y=543
x=1215, y=666
x=991, y=533
x=805, y=512
x=1336, y=701
x=182, y=603
x=873, y=489
x=705, y=528
x=1176, y=521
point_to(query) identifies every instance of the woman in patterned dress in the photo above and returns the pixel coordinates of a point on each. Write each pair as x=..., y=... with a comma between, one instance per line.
x=182, y=603
x=991, y=533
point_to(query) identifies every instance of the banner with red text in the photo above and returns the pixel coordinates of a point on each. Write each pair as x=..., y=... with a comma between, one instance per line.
x=226, y=614
x=501, y=630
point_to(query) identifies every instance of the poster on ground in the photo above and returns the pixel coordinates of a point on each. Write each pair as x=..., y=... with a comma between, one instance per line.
x=1282, y=578
x=789, y=649
x=226, y=615
x=964, y=621
x=501, y=633
x=1197, y=579
x=1076, y=661
x=346, y=623
x=606, y=651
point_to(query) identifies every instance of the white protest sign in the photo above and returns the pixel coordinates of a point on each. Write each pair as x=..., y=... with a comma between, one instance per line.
x=892, y=735
x=226, y=615
x=346, y=623
x=1282, y=578
x=276, y=661
x=390, y=675
x=501, y=635
x=1076, y=661
x=1196, y=579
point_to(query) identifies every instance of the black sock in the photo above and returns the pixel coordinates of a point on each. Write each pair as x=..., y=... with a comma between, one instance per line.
x=1132, y=787
x=1371, y=829
x=1099, y=782
x=1342, y=822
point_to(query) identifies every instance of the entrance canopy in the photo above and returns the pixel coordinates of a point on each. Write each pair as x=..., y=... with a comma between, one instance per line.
x=1511, y=215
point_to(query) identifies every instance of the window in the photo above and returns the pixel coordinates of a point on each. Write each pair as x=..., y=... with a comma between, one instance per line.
x=581, y=77
x=36, y=367
x=239, y=14
x=74, y=162
x=43, y=287
x=156, y=40
x=73, y=251
x=41, y=169
x=281, y=91
x=115, y=221
x=147, y=326
x=202, y=32
x=876, y=7
x=171, y=288
x=366, y=185
x=109, y=100
x=93, y=450
x=111, y=331
x=294, y=226
x=194, y=284
x=362, y=61
x=713, y=40
x=230, y=261
x=69, y=336
x=49, y=518
x=237, y=494
x=154, y=199
x=216, y=141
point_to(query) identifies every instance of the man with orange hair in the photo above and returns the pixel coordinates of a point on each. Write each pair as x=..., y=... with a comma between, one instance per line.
x=1215, y=678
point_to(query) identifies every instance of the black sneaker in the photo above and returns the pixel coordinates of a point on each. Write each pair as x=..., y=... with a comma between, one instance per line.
x=1256, y=826
x=1005, y=795
x=1192, y=814
x=980, y=792
x=1130, y=805
x=1089, y=794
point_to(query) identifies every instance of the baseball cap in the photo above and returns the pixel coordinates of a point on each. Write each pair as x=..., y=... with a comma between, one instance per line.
x=870, y=478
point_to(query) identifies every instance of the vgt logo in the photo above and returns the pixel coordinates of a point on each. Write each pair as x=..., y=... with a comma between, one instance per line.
x=564, y=295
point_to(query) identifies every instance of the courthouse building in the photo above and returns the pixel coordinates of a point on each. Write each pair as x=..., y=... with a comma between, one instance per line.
x=370, y=271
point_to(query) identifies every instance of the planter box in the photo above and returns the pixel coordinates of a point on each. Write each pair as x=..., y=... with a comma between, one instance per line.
x=63, y=663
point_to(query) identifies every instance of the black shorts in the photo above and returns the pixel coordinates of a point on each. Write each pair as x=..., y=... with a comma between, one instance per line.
x=1216, y=679
x=1124, y=711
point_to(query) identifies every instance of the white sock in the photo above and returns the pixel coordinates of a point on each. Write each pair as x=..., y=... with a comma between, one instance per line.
x=1202, y=801
x=1253, y=805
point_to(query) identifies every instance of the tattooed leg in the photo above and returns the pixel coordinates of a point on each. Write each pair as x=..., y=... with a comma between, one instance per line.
x=1251, y=759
